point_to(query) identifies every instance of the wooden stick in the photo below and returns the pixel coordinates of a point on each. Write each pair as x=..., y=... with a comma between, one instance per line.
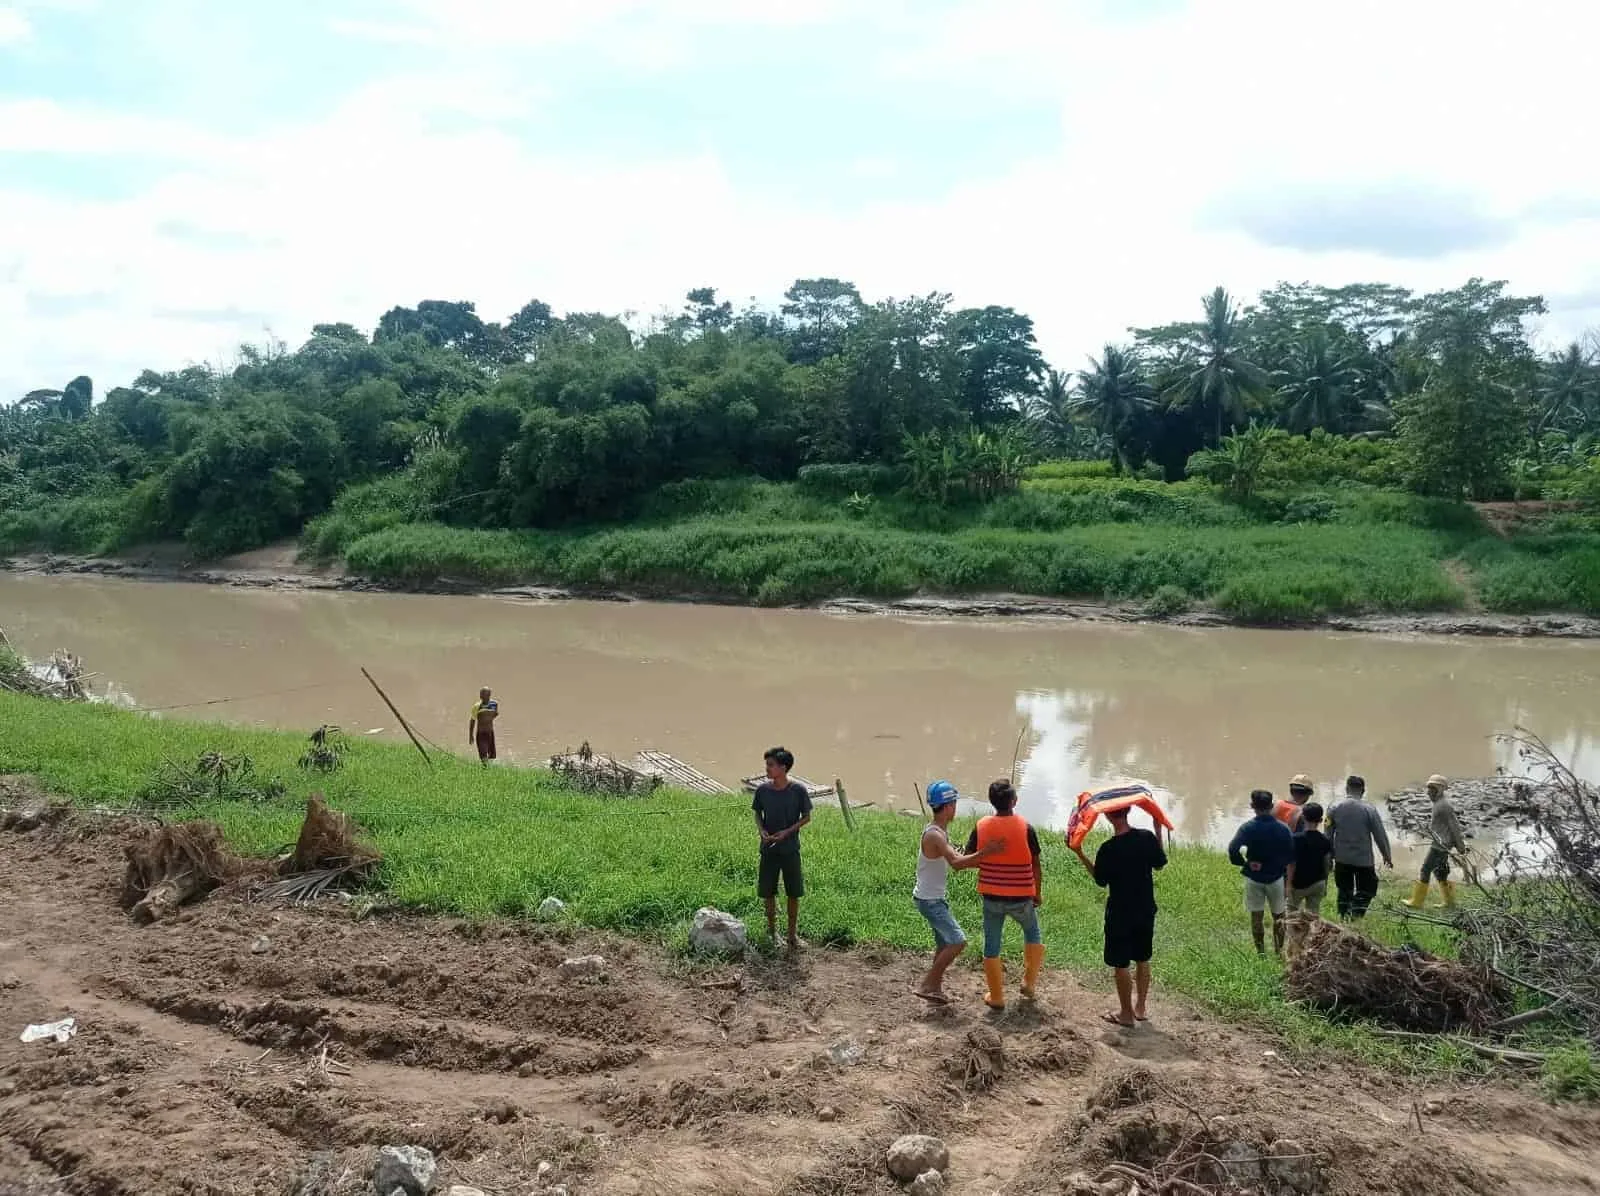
x=404, y=725
x=921, y=805
x=1016, y=753
x=1525, y=1019
x=1501, y=1054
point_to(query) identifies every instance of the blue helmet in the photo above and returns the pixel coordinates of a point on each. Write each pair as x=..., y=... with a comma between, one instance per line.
x=941, y=793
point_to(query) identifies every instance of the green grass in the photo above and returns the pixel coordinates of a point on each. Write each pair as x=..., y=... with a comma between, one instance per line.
x=463, y=840
x=1265, y=574
x=1539, y=572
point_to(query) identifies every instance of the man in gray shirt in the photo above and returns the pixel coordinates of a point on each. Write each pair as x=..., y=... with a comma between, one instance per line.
x=1354, y=825
x=1444, y=831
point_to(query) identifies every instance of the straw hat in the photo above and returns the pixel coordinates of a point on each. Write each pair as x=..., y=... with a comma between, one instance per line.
x=1436, y=781
x=1301, y=781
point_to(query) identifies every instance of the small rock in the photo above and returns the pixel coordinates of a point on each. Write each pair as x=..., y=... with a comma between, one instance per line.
x=584, y=965
x=912, y=1154
x=846, y=1054
x=588, y=1128
x=774, y=1073
x=550, y=909
x=929, y=1183
x=261, y=946
x=463, y=1190
x=525, y=1070
x=1292, y=1166
x=545, y=1168
x=1433, y=1108
x=891, y=1061
x=559, y=1190
x=7, y=1086
x=406, y=1169
x=1035, y=1101
x=827, y=1113
x=717, y=933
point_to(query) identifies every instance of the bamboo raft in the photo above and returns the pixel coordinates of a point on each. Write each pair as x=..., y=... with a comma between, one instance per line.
x=677, y=774
x=751, y=784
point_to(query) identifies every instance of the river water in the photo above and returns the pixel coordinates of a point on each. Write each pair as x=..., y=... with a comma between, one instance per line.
x=1201, y=715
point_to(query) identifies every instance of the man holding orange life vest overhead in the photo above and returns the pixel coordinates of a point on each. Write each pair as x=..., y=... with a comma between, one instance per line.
x=1009, y=880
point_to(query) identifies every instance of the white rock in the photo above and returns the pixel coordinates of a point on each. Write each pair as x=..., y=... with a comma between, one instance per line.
x=929, y=1183
x=261, y=945
x=463, y=1190
x=717, y=933
x=912, y=1154
x=584, y=965
x=409, y=1169
x=545, y=1168
x=551, y=908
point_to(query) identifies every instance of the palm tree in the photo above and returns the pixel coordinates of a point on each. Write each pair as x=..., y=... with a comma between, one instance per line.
x=1567, y=389
x=1050, y=411
x=1315, y=382
x=1220, y=378
x=1112, y=392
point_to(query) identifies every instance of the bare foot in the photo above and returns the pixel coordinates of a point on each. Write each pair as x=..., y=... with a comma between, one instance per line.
x=932, y=995
x=1116, y=1020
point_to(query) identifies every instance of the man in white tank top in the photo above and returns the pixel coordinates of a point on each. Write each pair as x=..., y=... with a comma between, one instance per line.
x=935, y=859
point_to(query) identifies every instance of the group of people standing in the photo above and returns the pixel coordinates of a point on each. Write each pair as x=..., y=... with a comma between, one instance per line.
x=1286, y=857
x=1287, y=852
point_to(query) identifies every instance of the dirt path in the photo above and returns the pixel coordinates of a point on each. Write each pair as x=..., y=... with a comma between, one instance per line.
x=197, y=1069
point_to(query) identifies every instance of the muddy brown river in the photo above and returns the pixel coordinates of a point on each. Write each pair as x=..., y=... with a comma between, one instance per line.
x=1201, y=715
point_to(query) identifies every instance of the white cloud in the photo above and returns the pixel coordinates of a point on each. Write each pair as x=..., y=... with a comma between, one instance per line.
x=417, y=187
x=14, y=25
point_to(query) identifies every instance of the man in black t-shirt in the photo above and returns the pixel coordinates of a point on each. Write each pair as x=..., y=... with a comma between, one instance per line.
x=1125, y=866
x=782, y=807
x=1307, y=882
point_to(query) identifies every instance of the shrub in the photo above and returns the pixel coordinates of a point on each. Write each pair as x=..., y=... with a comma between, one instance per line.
x=1309, y=508
x=1069, y=469
x=1290, y=596
x=841, y=481
x=1167, y=601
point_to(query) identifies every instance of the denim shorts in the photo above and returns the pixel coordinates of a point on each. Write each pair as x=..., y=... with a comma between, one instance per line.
x=947, y=931
x=996, y=910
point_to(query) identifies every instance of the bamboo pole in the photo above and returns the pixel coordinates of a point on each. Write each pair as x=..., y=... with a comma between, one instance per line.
x=404, y=725
x=921, y=805
x=844, y=805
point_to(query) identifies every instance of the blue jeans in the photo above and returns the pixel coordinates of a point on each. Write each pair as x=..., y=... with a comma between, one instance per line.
x=995, y=913
x=947, y=931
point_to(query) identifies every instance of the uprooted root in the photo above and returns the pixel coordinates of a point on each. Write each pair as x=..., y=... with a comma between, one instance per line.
x=981, y=1063
x=326, y=854
x=1342, y=972
x=169, y=865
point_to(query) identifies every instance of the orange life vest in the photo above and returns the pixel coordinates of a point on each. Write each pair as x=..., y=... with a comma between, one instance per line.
x=1289, y=813
x=1008, y=873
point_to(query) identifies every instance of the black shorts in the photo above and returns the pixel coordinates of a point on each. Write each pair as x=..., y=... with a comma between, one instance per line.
x=486, y=745
x=785, y=864
x=1130, y=938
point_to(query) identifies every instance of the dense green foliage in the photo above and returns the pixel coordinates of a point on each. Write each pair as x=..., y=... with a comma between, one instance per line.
x=444, y=444
x=464, y=840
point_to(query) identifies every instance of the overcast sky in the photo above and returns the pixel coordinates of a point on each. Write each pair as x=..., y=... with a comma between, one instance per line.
x=179, y=176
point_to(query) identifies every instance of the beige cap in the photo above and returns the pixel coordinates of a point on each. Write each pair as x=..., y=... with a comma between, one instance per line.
x=1436, y=779
x=1301, y=781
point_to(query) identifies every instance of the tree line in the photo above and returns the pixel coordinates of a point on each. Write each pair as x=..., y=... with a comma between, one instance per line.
x=545, y=419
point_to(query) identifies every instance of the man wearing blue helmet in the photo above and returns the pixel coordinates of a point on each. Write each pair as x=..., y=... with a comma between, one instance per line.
x=935, y=858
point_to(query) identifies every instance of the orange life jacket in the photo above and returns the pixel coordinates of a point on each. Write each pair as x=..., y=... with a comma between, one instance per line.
x=1008, y=873
x=1289, y=813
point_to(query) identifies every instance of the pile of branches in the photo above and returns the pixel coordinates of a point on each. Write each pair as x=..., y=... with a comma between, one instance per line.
x=1538, y=927
x=61, y=677
x=214, y=776
x=587, y=771
x=1345, y=974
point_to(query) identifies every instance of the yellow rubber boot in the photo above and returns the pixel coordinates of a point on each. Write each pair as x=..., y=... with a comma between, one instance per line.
x=1448, y=888
x=994, y=971
x=1419, y=895
x=1033, y=960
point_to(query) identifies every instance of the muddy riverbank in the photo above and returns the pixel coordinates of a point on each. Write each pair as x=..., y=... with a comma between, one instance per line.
x=276, y=569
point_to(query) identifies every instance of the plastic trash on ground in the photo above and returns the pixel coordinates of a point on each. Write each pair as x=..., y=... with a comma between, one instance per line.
x=60, y=1031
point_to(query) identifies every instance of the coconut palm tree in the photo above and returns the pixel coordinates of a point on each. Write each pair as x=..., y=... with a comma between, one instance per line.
x=1315, y=382
x=1220, y=379
x=1112, y=393
x=1567, y=390
x=1050, y=411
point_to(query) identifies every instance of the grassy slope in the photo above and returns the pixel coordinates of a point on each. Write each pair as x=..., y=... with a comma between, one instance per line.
x=463, y=840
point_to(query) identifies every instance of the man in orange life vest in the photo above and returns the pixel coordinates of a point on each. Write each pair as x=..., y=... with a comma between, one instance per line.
x=1009, y=881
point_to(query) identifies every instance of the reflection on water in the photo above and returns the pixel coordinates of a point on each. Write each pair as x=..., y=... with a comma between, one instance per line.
x=1200, y=716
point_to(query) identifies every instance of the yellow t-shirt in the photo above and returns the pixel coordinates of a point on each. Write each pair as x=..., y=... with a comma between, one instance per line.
x=479, y=709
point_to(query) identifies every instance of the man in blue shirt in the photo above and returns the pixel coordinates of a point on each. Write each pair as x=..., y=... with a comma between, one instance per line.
x=1263, y=849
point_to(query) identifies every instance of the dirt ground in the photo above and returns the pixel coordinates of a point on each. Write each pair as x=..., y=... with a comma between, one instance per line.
x=245, y=1048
